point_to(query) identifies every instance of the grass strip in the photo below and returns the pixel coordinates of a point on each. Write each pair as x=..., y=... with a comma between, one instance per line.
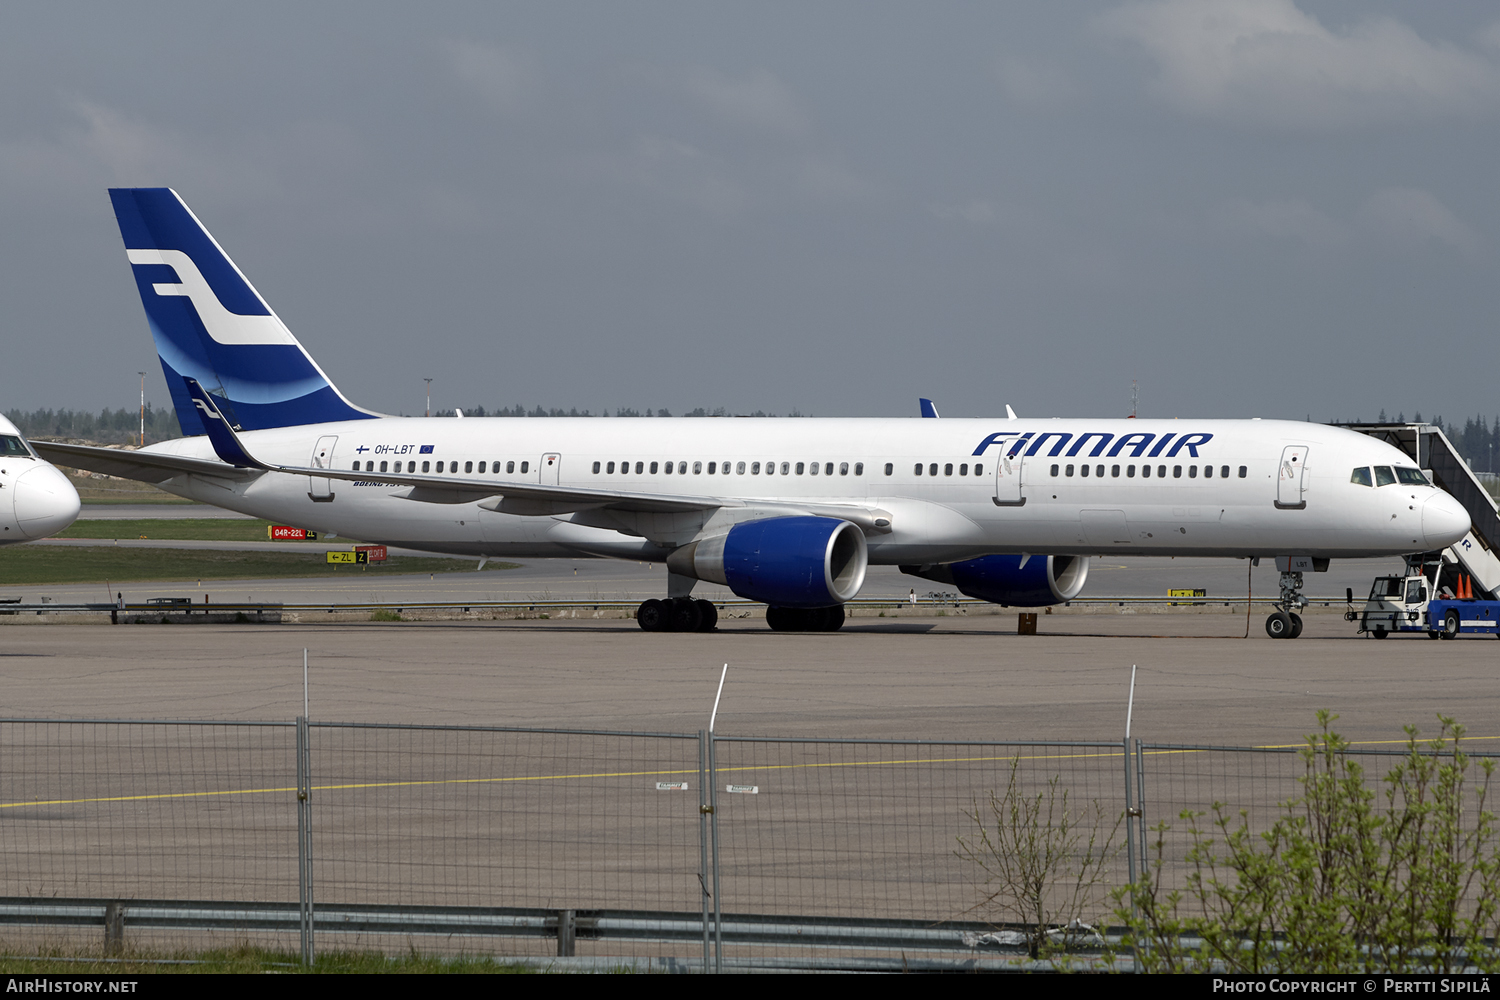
x=22, y=565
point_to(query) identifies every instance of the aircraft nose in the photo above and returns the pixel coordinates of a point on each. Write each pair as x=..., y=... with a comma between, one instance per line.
x=1444, y=521
x=46, y=502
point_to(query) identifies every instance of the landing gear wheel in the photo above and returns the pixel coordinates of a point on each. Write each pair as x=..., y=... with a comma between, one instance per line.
x=651, y=616
x=1296, y=625
x=780, y=619
x=1278, y=625
x=684, y=615
x=1451, y=625
x=708, y=616
x=833, y=618
x=1380, y=633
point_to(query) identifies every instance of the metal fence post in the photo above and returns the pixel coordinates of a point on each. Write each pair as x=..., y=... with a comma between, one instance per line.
x=1140, y=804
x=703, y=811
x=114, y=927
x=304, y=840
x=1130, y=814
x=713, y=818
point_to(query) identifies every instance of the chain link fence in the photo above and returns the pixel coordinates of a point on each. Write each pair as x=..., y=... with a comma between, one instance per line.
x=717, y=852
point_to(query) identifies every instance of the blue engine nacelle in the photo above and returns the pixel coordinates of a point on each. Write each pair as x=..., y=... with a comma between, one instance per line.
x=789, y=562
x=1041, y=581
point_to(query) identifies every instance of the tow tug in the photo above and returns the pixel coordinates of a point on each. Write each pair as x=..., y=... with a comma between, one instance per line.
x=1416, y=603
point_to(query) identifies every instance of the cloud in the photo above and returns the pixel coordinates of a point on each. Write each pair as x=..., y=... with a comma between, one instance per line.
x=976, y=212
x=1266, y=62
x=1031, y=84
x=1410, y=217
x=759, y=100
x=504, y=79
x=1283, y=219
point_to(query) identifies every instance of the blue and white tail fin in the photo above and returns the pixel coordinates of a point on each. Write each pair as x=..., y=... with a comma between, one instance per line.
x=211, y=325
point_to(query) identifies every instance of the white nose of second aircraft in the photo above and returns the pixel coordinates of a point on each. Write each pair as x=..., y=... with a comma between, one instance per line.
x=1444, y=521
x=46, y=502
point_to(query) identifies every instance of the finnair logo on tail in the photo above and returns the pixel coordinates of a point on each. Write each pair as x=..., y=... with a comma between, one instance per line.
x=222, y=325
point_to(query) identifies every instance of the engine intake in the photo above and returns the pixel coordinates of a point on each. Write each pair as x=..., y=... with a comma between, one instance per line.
x=790, y=562
x=1041, y=581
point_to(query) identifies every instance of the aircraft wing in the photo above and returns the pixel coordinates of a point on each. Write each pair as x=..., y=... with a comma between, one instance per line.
x=142, y=466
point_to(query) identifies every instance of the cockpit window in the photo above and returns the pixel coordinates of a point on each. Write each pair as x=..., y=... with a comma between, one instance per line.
x=1361, y=477
x=1411, y=477
x=1384, y=476
x=13, y=447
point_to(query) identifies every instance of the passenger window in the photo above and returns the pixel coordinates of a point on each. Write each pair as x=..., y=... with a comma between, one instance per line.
x=610, y=468
x=1099, y=470
x=682, y=468
x=1176, y=472
x=668, y=469
x=640, y=467
x=1223, y=472
x=932, y=469
x=1192, y=472
x=382, y=466
x=711, y=467
x=1361, y=477
x=813, y=470
x=510, y=467
x=1068, y=471
x=1208, y=472
x=654, y=467
x=978, y=470
x=698, y=468
x=524, y=467
x=1244, y=471
x=890, y=468
x=800, y=467
x=1054, y=472
x=1161, y=471
x=918, y=470
x=963, y=470
x=754, y=468
x=426, y=466
x=827, y=468
x=1129, y=472
x=1145, y=472
x=596, y=468
x=483, y=464
x=948, y=469
x=739, y=470
x=1384, y=476
x=843, y=468
x=786, y=468
x=1083, y=470
x=468, y=467
x=1114, y=472
x=859, y=468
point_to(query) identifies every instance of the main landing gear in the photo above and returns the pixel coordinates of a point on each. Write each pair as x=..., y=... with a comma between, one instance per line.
x=1285, y=623
x=677, y=614
x=806, y=619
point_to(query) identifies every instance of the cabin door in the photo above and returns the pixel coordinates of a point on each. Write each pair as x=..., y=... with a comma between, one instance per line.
x=1008, y=476
x=321, y=490
x=1291, y=480
x=550, y=469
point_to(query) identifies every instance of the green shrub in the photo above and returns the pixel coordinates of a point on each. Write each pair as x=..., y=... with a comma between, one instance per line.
x=1341, y=881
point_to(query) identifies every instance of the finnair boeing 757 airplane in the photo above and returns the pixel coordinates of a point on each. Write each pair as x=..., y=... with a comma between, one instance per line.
x=786, y=512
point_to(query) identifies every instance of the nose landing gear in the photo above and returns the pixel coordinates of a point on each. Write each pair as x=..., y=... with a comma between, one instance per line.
x=1285, y=623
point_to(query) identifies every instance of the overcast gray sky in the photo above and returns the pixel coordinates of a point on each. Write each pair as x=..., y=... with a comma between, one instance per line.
x=1257, y=207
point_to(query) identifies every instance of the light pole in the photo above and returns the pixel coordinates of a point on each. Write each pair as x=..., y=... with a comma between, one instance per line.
x=429, y=396
x=143, y=408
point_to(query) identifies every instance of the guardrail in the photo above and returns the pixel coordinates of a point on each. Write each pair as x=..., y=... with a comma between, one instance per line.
x=599, y=605
x=1002, y=946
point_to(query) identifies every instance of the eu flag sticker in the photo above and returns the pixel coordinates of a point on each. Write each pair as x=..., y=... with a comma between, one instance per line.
x=425, y=450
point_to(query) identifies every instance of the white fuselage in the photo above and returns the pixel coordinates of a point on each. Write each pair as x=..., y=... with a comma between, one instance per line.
x=36, y=499
x=1287, y=491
